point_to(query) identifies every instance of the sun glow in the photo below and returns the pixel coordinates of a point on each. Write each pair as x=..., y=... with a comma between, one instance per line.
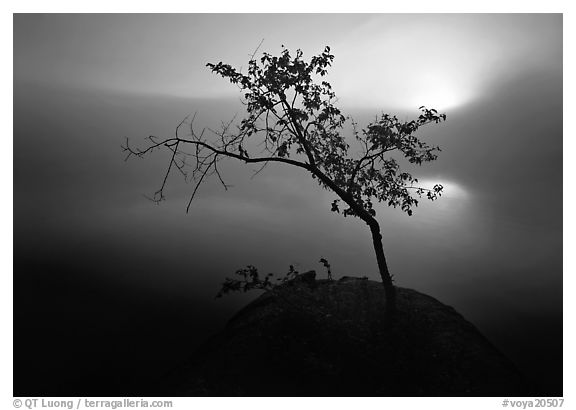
x=450, y=189
x=441, y=95
x=407, y=63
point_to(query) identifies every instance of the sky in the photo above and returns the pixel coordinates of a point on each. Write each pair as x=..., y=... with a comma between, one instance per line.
x=113, y=262
x=166, y=54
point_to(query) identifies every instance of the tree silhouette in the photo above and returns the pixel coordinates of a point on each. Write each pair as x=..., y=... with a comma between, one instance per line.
x=291, y=114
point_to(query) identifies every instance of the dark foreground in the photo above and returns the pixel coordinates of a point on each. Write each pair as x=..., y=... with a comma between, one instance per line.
x=321, y=338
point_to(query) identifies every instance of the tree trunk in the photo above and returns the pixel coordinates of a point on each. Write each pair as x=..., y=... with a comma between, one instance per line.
x=389, y=289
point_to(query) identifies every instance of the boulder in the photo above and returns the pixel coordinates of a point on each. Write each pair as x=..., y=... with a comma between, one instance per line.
x=311, y=337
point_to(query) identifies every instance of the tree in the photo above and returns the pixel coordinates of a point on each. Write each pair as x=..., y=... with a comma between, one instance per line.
x=291, y=113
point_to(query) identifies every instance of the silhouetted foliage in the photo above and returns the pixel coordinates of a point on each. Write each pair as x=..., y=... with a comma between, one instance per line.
x=292, y=117
x=324, y=262
x=292, y=274
x=250, y=279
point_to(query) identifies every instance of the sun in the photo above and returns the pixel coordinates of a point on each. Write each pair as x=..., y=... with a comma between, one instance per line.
x=391, y=67
x=451, y=189
x=439, y=93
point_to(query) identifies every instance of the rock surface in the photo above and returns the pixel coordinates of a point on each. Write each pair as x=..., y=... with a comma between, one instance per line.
x=332, y=338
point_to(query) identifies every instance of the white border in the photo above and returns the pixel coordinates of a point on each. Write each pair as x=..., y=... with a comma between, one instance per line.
x=6, y=164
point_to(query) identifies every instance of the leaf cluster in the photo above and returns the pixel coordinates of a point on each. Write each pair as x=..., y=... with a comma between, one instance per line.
x=326, y=264
x=292, y=118
x=250, y=280
x=294, y=109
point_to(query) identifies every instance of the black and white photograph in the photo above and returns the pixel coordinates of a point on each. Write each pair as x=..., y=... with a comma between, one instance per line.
x=288, y=205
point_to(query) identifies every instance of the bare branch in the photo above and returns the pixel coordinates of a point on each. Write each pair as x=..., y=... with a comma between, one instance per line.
x=259, y=170
x=196, y=189
x=257, y=48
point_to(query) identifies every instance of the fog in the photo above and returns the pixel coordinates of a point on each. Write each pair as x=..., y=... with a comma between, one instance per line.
x=109, y=282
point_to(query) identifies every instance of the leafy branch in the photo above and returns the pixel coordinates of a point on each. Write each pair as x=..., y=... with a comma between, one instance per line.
x=250, y=279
